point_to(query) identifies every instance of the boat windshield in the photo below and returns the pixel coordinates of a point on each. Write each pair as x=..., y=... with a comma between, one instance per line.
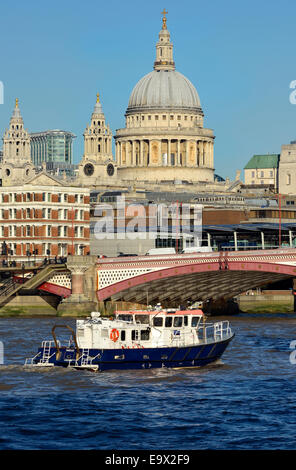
x=195, y=321
x=142, y=319
x=125, y=317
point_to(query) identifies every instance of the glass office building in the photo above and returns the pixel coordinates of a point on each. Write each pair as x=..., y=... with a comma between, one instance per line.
x=52, y=146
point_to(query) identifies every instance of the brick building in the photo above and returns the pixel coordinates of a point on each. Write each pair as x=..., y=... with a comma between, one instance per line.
x=43, y=217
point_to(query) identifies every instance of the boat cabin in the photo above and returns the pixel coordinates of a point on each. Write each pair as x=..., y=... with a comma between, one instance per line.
x=140, y=329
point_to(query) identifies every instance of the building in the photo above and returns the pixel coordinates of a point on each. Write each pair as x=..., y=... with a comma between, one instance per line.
x=43, y=217
x=164, y=138
x=54, y=146
x=287, y=169
x=16, y=165
x=97, y=165
x=262, y=170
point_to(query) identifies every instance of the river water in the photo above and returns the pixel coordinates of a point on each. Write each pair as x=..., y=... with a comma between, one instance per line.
x=246, y=402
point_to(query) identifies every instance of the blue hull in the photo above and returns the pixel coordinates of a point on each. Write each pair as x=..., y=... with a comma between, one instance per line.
x=142, y=358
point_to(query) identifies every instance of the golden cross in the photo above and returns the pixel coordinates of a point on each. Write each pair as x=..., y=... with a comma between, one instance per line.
x=164, y=20
x=98, y=97
x=16, y=102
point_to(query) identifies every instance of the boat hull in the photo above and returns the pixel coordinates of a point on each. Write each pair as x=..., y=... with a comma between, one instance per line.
x=136, y=358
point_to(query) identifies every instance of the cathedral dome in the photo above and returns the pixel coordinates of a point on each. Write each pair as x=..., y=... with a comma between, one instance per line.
x=164, y=90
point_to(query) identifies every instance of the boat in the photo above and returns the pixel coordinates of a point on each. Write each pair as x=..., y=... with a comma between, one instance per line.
x=137, y=339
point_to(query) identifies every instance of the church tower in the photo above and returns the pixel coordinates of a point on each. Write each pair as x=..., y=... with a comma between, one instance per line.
x=16, y=166
x=97, y=136
x=97, y=162
x=16, y=140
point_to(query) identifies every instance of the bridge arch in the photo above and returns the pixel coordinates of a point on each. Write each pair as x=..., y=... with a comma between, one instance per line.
x=197, y=281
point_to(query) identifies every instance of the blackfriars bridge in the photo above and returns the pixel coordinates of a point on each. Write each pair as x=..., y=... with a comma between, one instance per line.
x=84, y=282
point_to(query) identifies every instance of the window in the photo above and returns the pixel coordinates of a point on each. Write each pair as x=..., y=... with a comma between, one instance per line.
x=156, y=118
x=145, y=335
x=262, y=174
x=195, y=321
x=142, y=319
x=168, y=322
x=164, y=117
x=49, y=230
x=289, y=179
x=122, y=335
x=178, y=321
x=185, y=320
x=253, y=174
x=135, y=335
x=157, y=321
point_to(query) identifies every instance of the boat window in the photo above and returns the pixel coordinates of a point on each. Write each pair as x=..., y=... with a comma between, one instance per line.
x=185, y=320
x=145, y=335
x=142, y=319
x=135, y=335
x=122, y=335
x=125, y=317
x=168, y=322
x=178, y=321
x=157, y=321
x=195, y=321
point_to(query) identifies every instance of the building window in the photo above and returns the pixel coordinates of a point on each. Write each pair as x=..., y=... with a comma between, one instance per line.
x=49, y=230
x=262, y=174
x=253, y=174
x=289, y=179
x=156, y=118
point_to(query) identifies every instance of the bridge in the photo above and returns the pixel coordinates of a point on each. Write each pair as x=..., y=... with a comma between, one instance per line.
x=176, y=279
x=170, y=279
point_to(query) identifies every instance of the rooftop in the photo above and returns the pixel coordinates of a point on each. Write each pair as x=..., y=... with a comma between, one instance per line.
x=263, y=161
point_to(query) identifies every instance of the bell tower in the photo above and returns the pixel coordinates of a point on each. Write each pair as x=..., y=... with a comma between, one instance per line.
x=16, y=166
x=97, y=162
x=97, y=136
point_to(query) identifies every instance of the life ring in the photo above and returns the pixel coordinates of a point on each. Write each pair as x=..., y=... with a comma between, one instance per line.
x=114, y=335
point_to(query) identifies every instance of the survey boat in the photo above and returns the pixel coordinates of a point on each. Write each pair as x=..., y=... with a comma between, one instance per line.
x=161, y=338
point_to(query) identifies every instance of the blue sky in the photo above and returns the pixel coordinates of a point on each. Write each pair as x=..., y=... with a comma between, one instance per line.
x=241, y=57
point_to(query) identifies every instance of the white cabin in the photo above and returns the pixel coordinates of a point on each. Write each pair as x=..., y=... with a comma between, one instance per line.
x=140, y=329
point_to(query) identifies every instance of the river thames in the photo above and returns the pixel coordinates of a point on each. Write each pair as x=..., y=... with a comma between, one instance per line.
x=245, y=402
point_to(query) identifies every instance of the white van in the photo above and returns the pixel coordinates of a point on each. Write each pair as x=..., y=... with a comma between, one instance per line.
x=198, y=249
x=161, y=251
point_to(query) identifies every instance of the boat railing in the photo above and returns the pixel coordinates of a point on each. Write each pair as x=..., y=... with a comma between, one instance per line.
x=30, y=360
x=214, y=331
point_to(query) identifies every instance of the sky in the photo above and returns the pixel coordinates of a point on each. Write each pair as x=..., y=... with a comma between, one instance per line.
x=56, y=56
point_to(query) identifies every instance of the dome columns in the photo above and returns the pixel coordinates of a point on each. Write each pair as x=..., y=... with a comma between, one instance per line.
x=163, y=152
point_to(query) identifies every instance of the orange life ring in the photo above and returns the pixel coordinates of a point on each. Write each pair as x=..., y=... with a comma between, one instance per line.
x=114, y=335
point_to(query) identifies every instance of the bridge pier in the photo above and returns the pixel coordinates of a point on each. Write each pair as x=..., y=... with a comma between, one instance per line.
x=82, y=299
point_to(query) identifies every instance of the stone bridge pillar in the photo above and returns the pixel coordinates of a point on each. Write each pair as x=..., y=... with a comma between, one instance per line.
x=83, y=297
